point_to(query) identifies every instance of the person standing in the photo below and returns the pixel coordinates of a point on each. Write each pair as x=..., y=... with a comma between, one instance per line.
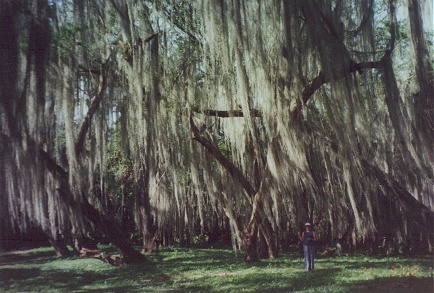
x=307, y=238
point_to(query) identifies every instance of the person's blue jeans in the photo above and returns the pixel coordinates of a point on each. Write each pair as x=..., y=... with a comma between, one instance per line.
x=308, y=251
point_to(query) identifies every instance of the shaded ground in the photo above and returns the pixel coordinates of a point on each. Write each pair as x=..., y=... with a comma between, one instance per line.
x=207, y=270
x=398, y=285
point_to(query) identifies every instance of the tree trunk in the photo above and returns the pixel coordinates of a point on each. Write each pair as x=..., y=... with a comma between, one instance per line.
x=146, y=222
x=264, y=226
x=270, y=240
x=249, y=243
x=107, y=224
x=424, y=73
x=111, y=229
x=149, y=244
x=258, y=214
x=60, y=246
x=263, y=246
x=269, y=247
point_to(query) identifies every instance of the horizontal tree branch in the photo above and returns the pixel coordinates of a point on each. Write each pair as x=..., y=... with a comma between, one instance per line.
x=307, y=93
x=226, y=113
x=91, y=70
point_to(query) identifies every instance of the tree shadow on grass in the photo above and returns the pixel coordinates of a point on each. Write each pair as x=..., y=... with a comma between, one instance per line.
x=14, y=274
x=183, y=260
x=312, y=279
x=394, y=285
x=371, y=262
x=281, y=282
x=48, y=280
x=27, y=257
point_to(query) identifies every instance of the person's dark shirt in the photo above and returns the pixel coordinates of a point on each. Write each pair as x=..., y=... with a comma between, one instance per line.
x=307, y=235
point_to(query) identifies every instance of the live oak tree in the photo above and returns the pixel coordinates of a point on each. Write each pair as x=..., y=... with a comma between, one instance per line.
x=240, y=116
x=52, y=149
x=310, y=68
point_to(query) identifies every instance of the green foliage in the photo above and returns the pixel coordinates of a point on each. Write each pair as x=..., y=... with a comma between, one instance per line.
x=120, y=173
x=213, y=270
x=67, y=38
x=223, y=144
x=24, y=46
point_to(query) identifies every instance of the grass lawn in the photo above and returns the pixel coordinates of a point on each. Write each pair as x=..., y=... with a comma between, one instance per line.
x=213, y=270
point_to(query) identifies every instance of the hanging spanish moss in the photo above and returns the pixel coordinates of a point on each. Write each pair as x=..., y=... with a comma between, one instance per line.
x=226, y=121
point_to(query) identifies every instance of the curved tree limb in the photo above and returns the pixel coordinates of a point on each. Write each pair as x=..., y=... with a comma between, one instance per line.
x=328, y=46
x=321, y=79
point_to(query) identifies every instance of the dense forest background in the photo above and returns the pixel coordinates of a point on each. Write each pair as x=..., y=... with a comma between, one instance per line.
x=218, y=122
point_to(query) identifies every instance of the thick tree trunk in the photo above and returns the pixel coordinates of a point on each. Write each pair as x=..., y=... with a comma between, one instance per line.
x=146, y=221
x=60, y=246
x=264, y=226
x=270, y=240
x=111, y=229
x=147, y=224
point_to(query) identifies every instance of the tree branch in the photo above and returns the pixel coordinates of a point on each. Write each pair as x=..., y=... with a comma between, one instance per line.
x=235, y=172
x=146, y=40
x=321, y=79
x=226, y=114
x=92, y=110
x=91, y=70
x=52, y=164
x=334, y=43
x=181, y=27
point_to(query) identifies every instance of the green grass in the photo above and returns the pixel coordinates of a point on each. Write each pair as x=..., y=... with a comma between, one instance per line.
x=213, y=270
